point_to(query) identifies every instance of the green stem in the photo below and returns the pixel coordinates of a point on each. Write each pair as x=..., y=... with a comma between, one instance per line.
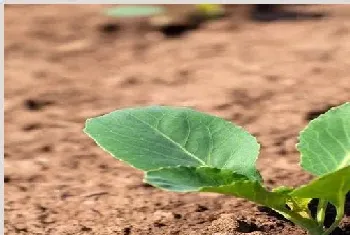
x=310, y=225
x=321, y=211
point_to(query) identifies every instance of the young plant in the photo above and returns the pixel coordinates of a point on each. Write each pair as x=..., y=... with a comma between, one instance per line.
x=183, y=150
x=137, y=18
x=211, y=10
x=134, y=11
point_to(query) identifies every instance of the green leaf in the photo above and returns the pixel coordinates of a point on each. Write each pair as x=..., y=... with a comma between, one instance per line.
x=253, y=191
x=332, y=187
x=134, y=11
x=296, y=204
x=190, y=179
x=206, y=179
x=153, y=137
x=325, y=143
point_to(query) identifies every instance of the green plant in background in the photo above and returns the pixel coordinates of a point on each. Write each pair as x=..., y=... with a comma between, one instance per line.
x=131, y=11
x=211, y=10
x=134, y=11
x=183, y=150
x=159, y=15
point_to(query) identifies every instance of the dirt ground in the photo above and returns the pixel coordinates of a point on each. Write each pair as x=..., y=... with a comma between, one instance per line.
x=60, y=69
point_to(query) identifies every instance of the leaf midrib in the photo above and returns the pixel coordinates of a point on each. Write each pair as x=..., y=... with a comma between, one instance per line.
x=169, y=139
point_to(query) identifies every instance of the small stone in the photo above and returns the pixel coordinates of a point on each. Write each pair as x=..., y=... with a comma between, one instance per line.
x=163, y=216
x=74, y=47
x=201, y=208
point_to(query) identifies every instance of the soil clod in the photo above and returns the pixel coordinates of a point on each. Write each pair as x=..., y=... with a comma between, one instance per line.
x=7, y=179
x=246, y=227
x=31, y=127
x=159, y=224
x=201, y=208
x=271, y=212
x=127, y=230
x=109, y=28
x=86, y=229
x=36, y=105
x=46, y=149
x=174, y=30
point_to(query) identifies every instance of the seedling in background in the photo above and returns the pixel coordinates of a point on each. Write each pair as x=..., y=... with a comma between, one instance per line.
x=183, y=150
x=135, y=16
x=134, y=11
x=211, y=11
x=158, y=17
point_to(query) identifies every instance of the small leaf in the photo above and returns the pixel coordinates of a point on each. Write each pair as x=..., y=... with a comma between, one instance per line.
x=156, y=137
x=332, y=187
x=299, y=205
x=134, y=11
x=325, y=143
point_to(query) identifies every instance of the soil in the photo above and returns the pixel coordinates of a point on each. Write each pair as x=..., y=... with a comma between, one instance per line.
x=66, y=63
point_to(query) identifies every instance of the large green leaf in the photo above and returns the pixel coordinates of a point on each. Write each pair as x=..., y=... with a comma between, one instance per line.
x=332, y=187
x=206, y=179
x=154, y=137
x=325, y=143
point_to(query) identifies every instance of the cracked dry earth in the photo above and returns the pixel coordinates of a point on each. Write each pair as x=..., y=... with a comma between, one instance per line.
x=270, y=78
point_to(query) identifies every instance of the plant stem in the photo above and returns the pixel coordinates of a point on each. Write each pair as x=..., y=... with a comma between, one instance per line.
x=321, y=211
x=310, y=225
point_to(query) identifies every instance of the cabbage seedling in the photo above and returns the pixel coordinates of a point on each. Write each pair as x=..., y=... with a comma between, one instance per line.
x=134, y=11
x=136, y=16
x=211, y=10
x=183, y=150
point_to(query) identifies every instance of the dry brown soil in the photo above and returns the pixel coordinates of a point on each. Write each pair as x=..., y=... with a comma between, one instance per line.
x=60, y=69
